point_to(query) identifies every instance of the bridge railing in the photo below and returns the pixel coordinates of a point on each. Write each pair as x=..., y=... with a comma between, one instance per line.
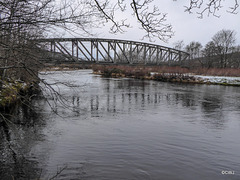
x=96, y=50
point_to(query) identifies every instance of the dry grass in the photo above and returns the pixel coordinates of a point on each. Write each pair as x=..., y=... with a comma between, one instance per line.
x=218, y=72
x=65, y=66
x=140, y=71
x=137, y=70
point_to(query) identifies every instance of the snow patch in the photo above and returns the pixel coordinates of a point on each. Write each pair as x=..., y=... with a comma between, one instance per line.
x=219, y=79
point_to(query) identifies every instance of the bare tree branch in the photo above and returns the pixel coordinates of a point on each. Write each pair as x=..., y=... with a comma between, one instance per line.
x=117, y=26
x=153, y=22
x=210, y=7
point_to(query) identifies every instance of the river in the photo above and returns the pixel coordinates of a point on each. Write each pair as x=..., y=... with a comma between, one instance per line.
x=124, y=129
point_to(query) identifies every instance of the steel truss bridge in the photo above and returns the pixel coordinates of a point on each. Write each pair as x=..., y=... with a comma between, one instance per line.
x=95, y=50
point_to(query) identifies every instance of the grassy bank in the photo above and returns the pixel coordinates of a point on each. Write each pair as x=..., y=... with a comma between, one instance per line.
x=65, y=66
x=12, y=92
x=164, y=73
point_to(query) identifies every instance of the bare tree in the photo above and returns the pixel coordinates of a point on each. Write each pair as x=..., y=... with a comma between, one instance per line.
x=224, y=41
x=236, y=57
x=211, y=7
x=179, y=45
x=22, y=21
x=194, y=49
x=151, y=20
x=209, y=53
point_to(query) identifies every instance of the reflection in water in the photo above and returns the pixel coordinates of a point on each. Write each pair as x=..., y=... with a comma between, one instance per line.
x=126, y=129
x=18, y=133
x=124, y=96
x=212, y=107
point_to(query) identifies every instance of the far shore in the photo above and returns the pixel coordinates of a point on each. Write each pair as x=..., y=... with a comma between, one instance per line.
x=227, y=77
x=216, y=76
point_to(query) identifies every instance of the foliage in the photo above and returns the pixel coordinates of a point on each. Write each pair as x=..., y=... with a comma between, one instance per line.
x=10, y=91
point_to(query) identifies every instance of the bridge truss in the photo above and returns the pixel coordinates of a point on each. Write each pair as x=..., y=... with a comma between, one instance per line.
x=95, y=50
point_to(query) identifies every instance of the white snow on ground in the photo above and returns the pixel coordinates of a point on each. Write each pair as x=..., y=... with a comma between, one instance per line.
x=213, y=79
x=219, y=79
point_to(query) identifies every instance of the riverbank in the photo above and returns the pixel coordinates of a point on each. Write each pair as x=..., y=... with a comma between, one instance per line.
x=13, y=91
x=228, y=77
x=65, y=66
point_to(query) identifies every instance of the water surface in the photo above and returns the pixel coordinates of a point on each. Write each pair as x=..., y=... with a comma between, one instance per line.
x=109, y=128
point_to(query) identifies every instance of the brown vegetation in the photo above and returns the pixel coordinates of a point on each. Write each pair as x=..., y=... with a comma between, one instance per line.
x=162, y=73
x=141, y=70
x=218, y=72
x=177, y=70
x=65, y=66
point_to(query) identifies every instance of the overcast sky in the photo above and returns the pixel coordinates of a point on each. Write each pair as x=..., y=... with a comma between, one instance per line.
x=187, y=27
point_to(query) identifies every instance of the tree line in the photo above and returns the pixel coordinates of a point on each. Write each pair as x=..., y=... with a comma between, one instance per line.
x=220, y=52
x=23, y=21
